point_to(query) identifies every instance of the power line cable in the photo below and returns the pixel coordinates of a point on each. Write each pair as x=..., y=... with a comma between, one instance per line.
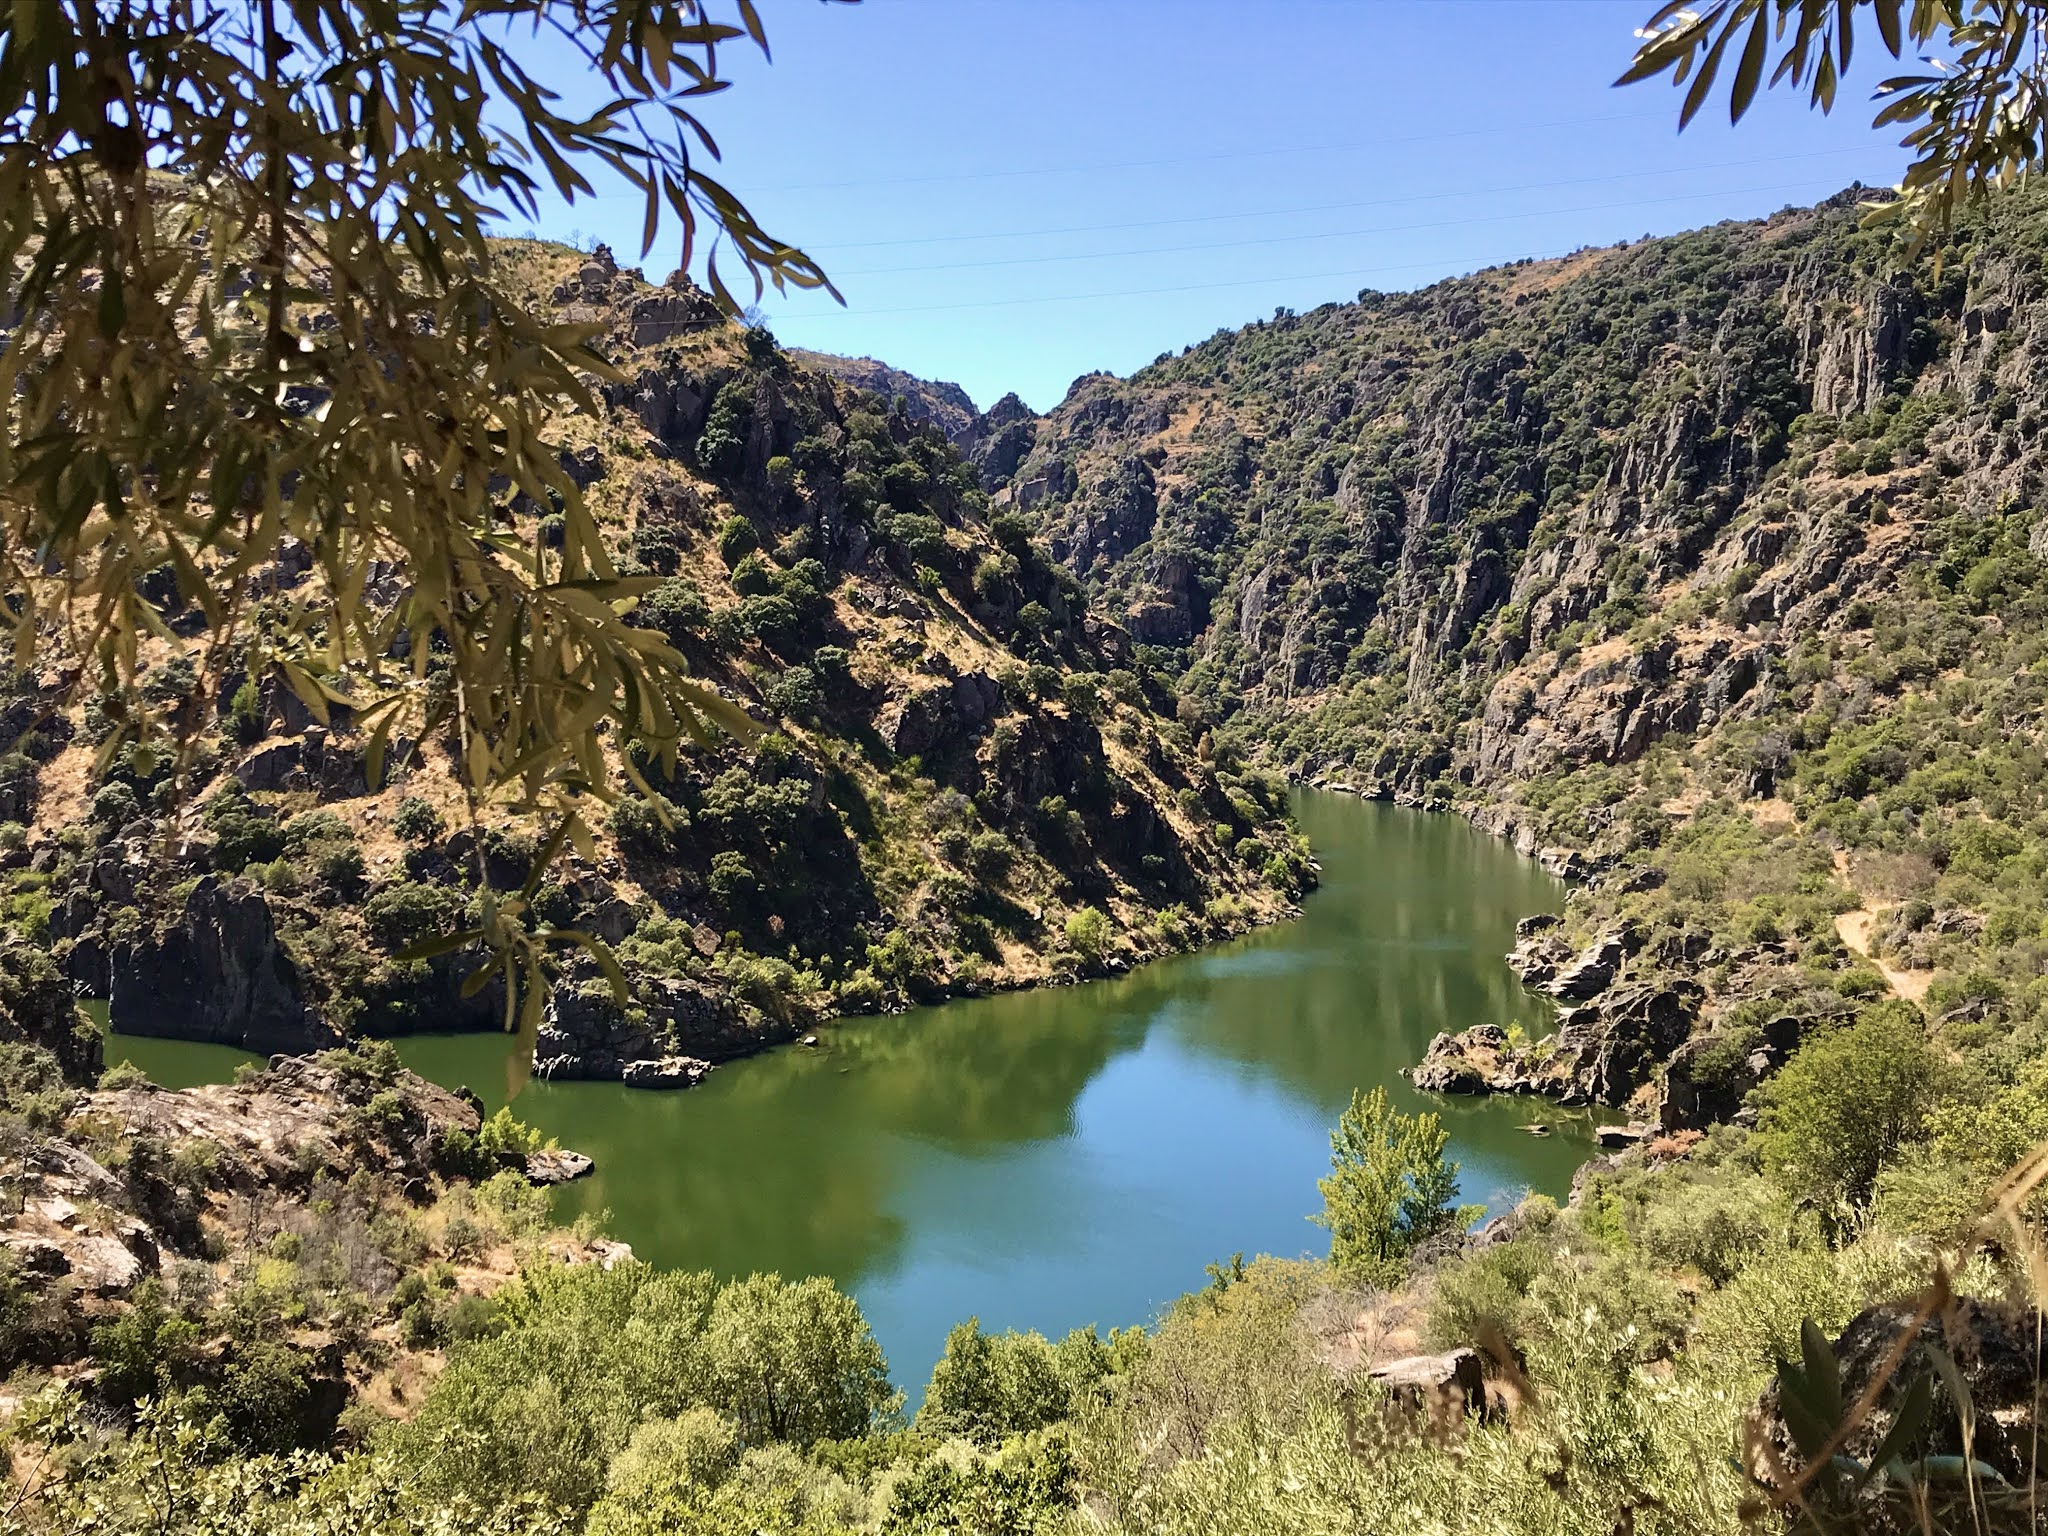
x=1378, y=202
x=1335, y=234
x=1349, y=273
x=838, y=185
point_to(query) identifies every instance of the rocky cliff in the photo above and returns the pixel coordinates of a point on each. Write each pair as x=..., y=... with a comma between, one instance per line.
x=1700, y=565
x=957, y=756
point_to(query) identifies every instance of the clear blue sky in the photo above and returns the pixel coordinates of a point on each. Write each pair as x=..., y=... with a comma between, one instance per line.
x=1011, y=193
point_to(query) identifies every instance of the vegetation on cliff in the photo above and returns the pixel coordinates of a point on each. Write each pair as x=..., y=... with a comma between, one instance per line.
x=957, y=778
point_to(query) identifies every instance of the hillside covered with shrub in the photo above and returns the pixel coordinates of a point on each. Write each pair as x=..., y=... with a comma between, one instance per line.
x=1709, y=567
x=959, y=778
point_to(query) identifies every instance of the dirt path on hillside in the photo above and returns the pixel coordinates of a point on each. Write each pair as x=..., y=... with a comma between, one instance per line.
x=1854, y=927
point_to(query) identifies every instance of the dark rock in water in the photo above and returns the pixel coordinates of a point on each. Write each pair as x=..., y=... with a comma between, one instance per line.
x=662, y=1072
x=556, y=1166
x=1616, y=1138
x=671, y=1036
x=216, y=973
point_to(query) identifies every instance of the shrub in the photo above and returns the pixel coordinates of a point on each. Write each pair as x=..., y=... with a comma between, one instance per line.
x=988, y=1387
x=245, y=714
x=145, y=1350
x=114, y=806
x=793, y=1361
x=733, y=880
x=1089, y=934
x=675, y=608
x=990, y=856
x=407, y=912
x=737, y=538
x=501, y=1136
x=243, y=833
x=123, y=1074
x=1846, y=1102
x=1389, y=1190
x=416, y=821
x=796, y=694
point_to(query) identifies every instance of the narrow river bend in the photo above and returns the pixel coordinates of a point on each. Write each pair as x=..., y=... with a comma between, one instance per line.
x=1074, y=1155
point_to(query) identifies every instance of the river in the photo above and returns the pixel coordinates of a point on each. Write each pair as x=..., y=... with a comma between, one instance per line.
x=1071, y=1155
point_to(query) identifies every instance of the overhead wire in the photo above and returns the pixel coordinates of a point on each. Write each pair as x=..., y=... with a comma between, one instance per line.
x=839, y=184
x=1335, y=234
x=1259, y=282
x=1376, y=202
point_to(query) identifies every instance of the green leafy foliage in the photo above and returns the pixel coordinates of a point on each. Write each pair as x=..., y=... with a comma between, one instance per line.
x=1847, y=1103
x=1390, y=1188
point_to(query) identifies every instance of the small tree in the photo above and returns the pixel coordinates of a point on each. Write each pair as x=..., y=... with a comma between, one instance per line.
x=989, y=1386
x=1390, y=1188
x=1088, y=934
x=794, y=1361
x=1845, y=1104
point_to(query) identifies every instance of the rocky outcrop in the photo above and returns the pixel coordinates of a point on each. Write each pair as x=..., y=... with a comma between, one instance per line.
x=1480, y=1060
x=99, y=1233
x=670, y=1036
x=311, y=761
x=1591, y=970
x=926, y=401
x=282, y=1126
x=216, y=972
x=1607, y=1046
x=933, y=716
x=1614, y=1045
x=37, y=1008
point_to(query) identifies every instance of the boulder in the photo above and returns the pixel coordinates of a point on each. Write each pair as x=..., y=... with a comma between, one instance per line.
x=670, y=1036
x=554, y=1165
x=664, y=1072
x=217, y=973
x=1437, y=1392
x=1619, y=1138
x=104, y=1266
x=1998, y=1350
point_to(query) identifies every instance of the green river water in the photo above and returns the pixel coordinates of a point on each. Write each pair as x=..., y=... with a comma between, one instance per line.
x=1072, y=1155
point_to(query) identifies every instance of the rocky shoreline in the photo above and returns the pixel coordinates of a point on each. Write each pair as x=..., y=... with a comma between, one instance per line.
x=1626, y=1010
x=675, y=1033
